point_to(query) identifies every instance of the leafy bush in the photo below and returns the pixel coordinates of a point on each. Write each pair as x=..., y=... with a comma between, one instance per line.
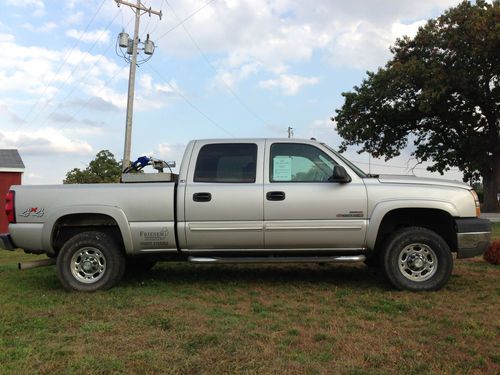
x=492, y=254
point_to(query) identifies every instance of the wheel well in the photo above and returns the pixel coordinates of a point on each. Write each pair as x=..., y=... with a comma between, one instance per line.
x=69, y=225
x=436, y=220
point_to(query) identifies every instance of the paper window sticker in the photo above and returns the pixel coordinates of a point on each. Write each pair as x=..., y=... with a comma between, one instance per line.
x=282, y=168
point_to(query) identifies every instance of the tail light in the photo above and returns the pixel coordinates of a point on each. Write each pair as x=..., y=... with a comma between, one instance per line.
x=9, y=207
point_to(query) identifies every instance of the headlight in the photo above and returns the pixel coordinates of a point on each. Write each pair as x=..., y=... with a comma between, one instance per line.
x=476, y=202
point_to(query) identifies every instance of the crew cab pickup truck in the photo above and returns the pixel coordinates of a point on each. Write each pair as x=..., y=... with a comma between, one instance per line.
x=251, y=200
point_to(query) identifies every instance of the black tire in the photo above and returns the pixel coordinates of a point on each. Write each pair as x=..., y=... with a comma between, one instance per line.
x=417, y=259
x=90, y=261
x=139, y=265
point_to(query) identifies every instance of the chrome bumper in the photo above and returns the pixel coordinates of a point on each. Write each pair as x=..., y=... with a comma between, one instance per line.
x=473, y=237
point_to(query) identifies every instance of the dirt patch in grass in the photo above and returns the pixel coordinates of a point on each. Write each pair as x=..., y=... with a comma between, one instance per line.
x=294, y=319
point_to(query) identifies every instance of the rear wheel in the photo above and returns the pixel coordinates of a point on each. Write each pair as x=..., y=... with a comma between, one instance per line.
x=90, y=261
x=417, y=259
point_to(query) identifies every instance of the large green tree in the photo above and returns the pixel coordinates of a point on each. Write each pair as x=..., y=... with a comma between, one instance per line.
x=103, y=169
x=441, y=92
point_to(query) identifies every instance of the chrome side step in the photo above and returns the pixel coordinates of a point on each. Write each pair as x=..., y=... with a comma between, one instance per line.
x=281, y=259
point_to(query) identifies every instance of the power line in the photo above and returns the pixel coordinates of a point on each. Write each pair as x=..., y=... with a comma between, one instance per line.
x=83, y=106
x=194, y=106
x=185, y=19
x=42, y=123
x=157, y=20
x=230, y=90
x=147, y=24
x=66, y=56
x=104, y=85
x=77, y=66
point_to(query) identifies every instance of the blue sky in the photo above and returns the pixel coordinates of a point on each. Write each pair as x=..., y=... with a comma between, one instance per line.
x=235, y=68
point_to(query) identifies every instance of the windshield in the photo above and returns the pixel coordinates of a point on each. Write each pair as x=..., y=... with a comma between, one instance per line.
x=358, y=171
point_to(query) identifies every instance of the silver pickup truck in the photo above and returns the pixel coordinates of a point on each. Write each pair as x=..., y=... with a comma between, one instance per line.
x=251, y=200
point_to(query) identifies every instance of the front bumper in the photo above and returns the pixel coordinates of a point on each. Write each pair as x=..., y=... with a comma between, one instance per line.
x=473, y=237
x=6, y=242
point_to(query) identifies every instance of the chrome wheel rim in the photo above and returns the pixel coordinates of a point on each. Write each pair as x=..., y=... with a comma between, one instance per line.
x=88, y=265
x=417, y=262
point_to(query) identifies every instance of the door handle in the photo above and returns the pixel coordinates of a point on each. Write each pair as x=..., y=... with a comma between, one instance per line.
x=275, y=196
x=202, y=197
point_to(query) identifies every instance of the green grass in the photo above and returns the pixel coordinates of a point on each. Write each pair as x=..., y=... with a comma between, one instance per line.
x=248, y=319
x=495, y=231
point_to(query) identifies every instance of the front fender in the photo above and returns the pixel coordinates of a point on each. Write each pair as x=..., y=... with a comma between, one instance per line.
x=384, y=207
x=114, y=212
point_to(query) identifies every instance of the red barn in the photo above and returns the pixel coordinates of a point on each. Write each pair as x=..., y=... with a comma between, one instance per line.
x=11, y=170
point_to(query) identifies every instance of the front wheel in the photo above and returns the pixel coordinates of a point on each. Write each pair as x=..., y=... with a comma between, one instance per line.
x=90, y=261
x=417, y=259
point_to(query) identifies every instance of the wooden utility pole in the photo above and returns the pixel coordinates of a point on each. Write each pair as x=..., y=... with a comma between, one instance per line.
x=138, y=8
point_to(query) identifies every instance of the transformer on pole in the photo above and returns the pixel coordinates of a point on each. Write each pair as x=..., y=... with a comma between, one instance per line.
x=131, y=47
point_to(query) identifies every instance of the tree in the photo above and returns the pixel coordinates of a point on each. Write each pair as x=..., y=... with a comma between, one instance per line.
x=103, y=169
x=440, y=91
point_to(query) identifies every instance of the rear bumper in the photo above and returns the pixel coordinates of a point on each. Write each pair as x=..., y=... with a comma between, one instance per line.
x=6, y=242
x=473, y=237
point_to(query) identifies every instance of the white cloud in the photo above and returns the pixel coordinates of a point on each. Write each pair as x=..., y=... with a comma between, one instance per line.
x=6, y=38
x=70, y=4
x=153, y=95
x=34, y=176
x=43, y=141
x=361, y=46
x=27, y=3
x=33, y=71
x=99, y=36
x=74, y=18
x=229, y=77
x=26, y=69
x=171, y=89
x=277, y=34
x=89, y=130
x=107, y=94
x=289, y=84
x=148, y=95
x=9, y=115
x=146, y=81
x=399, y=29
x=170, y=152
x=38, y=6
x=47, y=26
x=39, y=106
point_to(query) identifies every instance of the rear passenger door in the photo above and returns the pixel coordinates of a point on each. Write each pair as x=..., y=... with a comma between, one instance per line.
x=224, y=196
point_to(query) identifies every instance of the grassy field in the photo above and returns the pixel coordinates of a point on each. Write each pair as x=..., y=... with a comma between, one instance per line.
x=495, y=232
x=286, y=319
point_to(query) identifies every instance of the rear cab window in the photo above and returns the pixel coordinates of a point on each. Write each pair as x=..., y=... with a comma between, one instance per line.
x=226, y=163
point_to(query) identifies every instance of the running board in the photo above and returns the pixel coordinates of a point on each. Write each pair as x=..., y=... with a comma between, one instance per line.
x=281, y=259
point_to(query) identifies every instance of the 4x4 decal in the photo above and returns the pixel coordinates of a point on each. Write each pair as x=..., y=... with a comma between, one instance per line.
x=33, y=211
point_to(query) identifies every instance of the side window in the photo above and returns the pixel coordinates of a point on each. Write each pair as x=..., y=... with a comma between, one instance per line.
x=296, y=162
x=226, y=162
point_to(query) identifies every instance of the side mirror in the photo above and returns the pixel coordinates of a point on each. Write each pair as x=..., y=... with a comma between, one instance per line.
x=340, y=175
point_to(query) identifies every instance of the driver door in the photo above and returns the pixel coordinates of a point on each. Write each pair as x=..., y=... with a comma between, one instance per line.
x=302, y=208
